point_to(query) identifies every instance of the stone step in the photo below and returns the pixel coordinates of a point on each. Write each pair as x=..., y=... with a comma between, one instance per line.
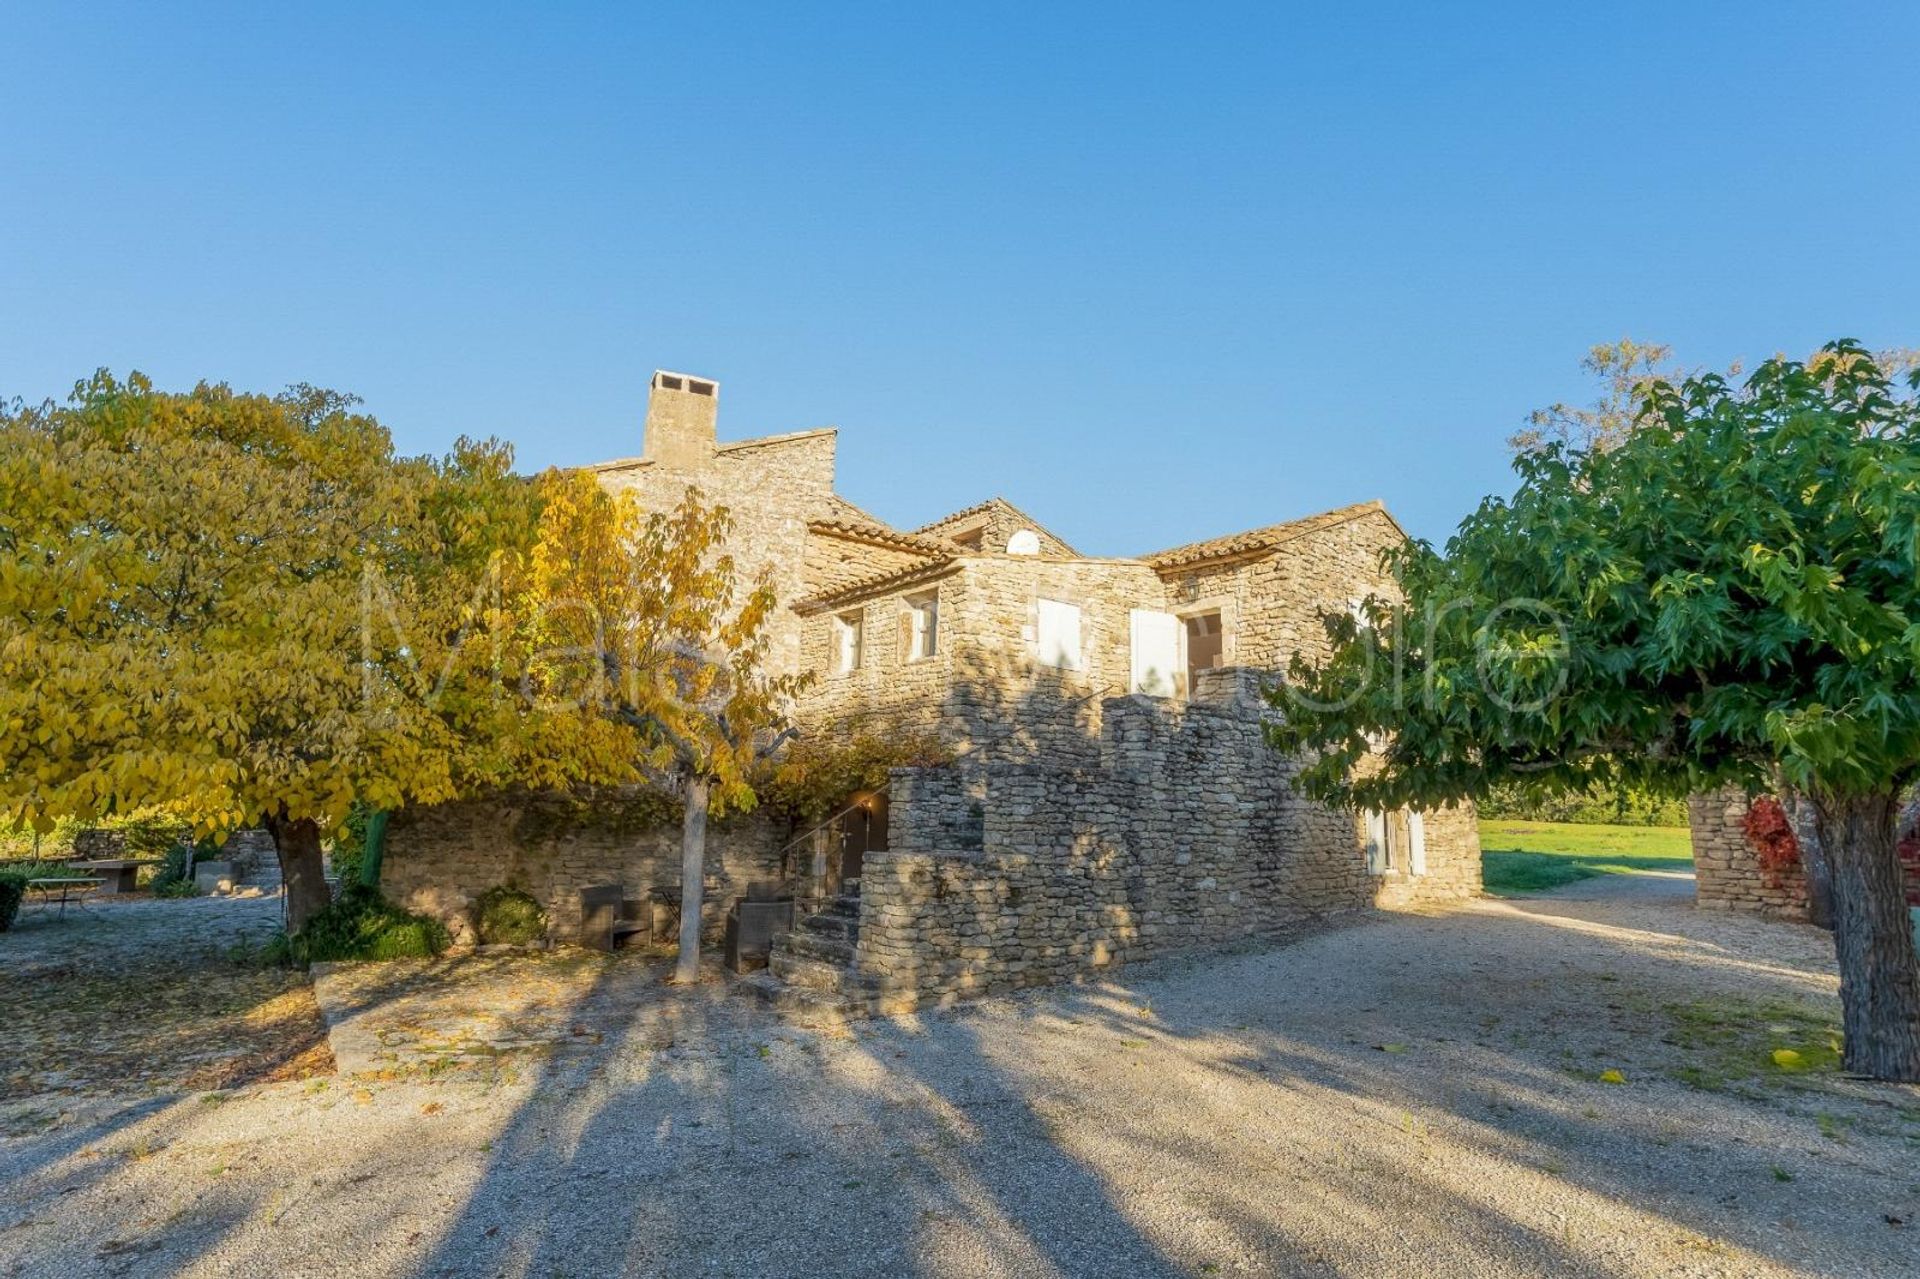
x=837, y=926
x=813, y=974
x=800, y=1004
x=828, y=948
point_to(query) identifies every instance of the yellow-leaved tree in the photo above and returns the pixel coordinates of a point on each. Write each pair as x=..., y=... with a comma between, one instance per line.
x=241, y=608
x=640, y=620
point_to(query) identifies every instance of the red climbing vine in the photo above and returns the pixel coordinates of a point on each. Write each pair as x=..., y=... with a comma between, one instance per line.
x=1771, y=836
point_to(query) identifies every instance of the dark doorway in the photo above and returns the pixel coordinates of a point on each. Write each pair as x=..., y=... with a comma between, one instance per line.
x=863, y=829
x=1206, y=646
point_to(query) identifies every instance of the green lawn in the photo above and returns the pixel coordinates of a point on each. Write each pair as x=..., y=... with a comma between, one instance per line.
x=1527, y=857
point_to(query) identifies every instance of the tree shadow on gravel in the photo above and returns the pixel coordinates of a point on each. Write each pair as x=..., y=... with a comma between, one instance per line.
x=1208, y=1116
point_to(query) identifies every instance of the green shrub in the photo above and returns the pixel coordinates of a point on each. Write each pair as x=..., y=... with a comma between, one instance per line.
x=13, y=886
x=348, y=848
x=174, y=879
x=1598, y=805
x=361, y=924
x=504, y=915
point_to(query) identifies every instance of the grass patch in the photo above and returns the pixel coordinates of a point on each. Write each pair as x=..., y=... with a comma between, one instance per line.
x=1530, y=857
x=1732, y=1042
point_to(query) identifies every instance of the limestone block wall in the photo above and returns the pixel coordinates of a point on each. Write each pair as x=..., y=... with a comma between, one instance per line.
x=1271, y=606
x=439, y=860
x=986, y=687
x=771, y=488
x=1727, y=870
x=833, y=563
x=1186, y=835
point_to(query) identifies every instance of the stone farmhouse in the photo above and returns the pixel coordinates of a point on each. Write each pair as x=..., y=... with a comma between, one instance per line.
x=1111, y=798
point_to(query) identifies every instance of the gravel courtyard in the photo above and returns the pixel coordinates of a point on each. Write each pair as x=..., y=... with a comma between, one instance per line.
x=1403, y=1095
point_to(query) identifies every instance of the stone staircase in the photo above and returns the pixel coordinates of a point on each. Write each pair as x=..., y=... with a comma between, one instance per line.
x=810, y=973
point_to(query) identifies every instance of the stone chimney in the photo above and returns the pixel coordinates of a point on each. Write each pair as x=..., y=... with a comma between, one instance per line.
x=682, y=412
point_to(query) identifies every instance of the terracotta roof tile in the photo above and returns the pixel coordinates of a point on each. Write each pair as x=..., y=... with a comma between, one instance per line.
x=1261, y=539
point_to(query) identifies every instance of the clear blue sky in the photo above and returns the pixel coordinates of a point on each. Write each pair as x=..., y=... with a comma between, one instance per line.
x=1153, y=274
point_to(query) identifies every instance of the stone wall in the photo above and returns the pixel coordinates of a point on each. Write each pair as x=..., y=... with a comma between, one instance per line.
x=772, y=488
x=1727, y=870
x=1186, y=834
x=986, y=689
x=1271, y=605
x=1727, y=874
x=438, y=860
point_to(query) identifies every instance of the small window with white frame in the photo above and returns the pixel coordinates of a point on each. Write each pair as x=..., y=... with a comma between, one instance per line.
x=1058, y=635
x=848, y=641
x=922, y=624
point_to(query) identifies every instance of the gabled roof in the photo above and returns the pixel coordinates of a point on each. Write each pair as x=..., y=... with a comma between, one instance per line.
x=940, y=526
x=874, y=533
x=1260, y=540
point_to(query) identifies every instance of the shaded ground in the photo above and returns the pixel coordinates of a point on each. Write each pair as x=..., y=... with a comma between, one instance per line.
x=471, y=1011
x=1526, y=857
x=1421, y=1095
x=134, y=996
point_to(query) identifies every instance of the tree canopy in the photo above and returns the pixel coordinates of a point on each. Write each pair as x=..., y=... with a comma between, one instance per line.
x=239, y=608
x=1729, y=594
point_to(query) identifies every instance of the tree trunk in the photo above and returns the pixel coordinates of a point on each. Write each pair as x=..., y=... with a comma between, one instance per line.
x=1805, y=821
x=302, y=868
x=693, y=871
x=1872, y=935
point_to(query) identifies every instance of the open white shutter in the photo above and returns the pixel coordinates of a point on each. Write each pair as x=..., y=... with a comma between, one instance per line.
x=1417, y=841
x=1376, y=843
x=1156, y=652
x=1058, y=635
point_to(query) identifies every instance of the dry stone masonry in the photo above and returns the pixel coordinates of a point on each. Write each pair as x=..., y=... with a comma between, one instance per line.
x=1113, y=797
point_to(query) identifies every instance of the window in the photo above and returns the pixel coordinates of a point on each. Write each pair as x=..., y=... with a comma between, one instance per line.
x=847, y=637
x=1396, y=840
x=1059, y=635
x=1379, y=853
x=922, y=626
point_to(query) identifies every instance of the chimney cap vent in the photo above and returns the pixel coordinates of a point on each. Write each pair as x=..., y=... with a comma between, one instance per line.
x=665, y=381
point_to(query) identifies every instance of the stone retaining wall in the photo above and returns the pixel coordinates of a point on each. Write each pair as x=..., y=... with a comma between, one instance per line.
x=1187, y=836
x=438, y=860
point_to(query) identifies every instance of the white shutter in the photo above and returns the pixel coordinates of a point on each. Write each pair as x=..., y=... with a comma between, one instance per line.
x=1376, y=842
x=1058, y=635
x=1417, y=839
x=1156, y=652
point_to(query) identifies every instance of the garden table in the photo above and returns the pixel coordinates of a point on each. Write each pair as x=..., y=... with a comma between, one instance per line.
x=70, y=888
x=119, y=873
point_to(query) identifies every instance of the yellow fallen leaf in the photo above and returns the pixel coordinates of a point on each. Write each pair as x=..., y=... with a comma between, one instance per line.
x=1788, y=1059
x=1612, y=1077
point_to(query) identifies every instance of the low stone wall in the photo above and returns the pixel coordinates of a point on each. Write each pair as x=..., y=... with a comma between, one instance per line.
x=1727, y=870
x=439, y=860
x=1188, y=836
x=1727, y=874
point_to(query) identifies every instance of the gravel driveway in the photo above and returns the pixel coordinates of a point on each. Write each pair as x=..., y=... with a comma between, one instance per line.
x=1402, y=1095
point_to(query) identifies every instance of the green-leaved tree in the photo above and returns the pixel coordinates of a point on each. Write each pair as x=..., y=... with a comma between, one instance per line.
x=1729, y=594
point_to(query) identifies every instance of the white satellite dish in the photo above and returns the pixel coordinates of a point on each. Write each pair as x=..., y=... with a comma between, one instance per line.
x=1025, y=542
